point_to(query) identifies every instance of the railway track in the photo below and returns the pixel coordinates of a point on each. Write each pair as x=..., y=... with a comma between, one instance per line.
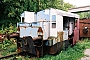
x=10, y=55
x=17, y=54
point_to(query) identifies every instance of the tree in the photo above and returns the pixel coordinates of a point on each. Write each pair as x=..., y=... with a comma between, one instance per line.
x=11, y=9
x=84, y=15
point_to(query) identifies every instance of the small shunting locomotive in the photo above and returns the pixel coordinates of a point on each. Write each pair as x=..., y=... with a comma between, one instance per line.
x=46, y=32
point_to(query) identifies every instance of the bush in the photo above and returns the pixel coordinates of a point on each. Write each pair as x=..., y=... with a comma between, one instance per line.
x=8, y=30
x=6, y=43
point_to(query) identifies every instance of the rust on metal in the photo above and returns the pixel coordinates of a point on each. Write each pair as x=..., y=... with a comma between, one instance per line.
x=40, y=30
x=58, y=46
x=1, y=37
x=37, y=38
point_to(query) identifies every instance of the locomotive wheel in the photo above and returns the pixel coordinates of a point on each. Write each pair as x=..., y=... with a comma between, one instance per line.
x=28, y=45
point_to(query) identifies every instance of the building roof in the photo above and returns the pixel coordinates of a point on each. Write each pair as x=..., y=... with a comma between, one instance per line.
x=80, y=9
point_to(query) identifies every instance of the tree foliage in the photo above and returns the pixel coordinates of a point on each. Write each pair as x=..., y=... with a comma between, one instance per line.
x=11, y=9
x=84, y=15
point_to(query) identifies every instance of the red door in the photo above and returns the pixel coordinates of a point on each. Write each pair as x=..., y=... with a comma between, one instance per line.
x=76, y=36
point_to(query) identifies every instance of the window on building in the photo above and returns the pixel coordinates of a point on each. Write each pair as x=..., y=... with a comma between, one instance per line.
x=53, y=17
x=53, y=25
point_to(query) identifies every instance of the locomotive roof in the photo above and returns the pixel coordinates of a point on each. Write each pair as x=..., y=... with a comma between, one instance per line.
x=58, y=12
x=68, y=14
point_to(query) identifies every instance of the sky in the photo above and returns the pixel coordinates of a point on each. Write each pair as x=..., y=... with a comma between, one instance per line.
x=78, y=3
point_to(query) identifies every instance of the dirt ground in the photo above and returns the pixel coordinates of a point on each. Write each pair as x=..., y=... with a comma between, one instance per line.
x=87, y=55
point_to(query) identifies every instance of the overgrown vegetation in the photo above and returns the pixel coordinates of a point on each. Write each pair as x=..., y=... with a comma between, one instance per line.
x=8, y=30
x=7, y=47
x=71, y=53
